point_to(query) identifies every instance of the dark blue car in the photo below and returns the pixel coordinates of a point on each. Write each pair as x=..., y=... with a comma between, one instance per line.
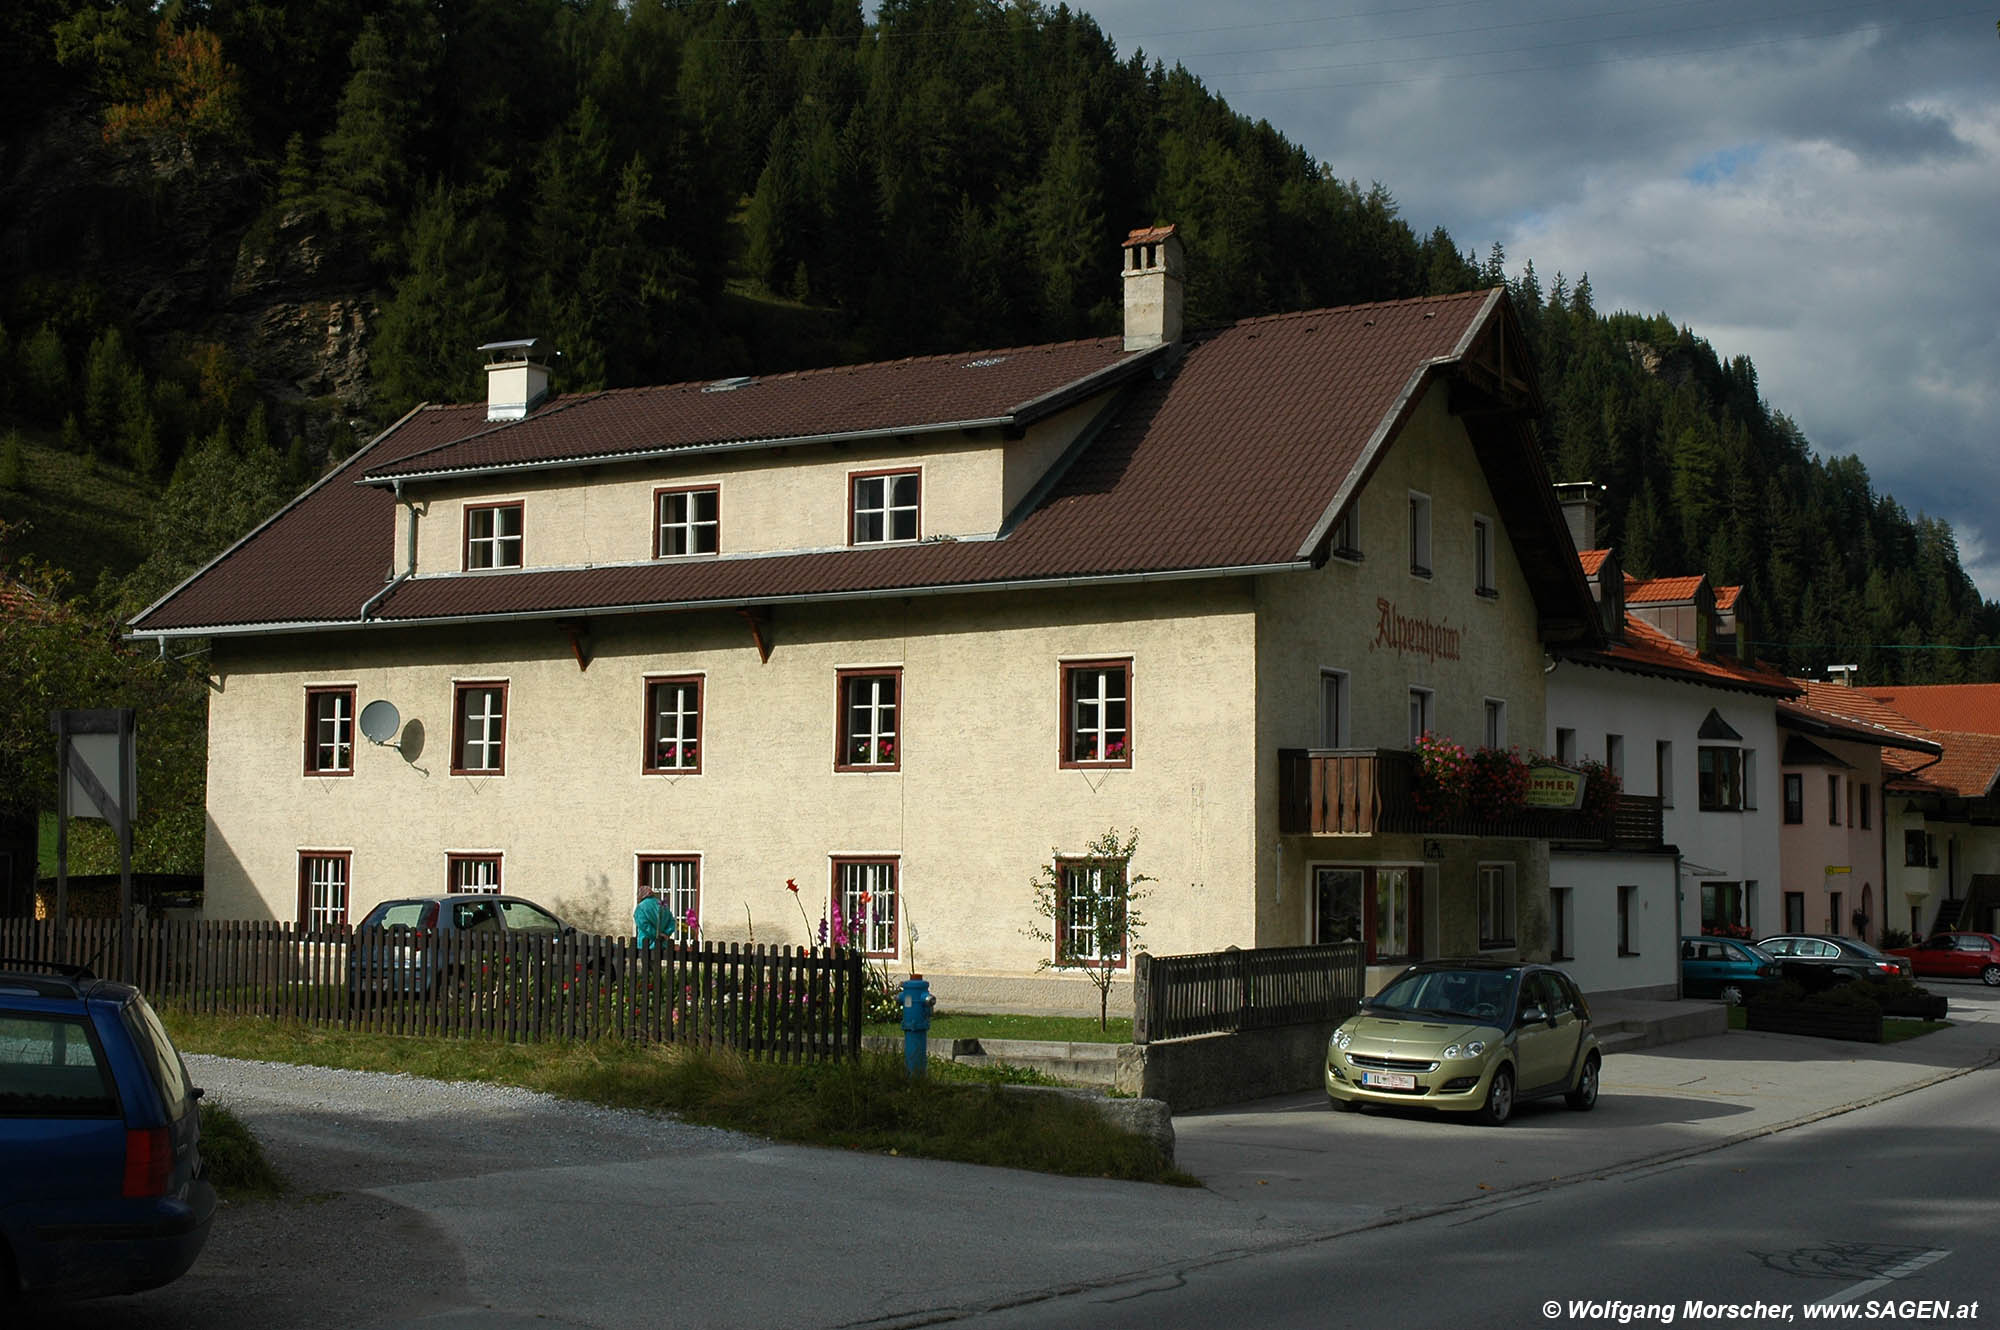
x=101, y=1186
x=1725, y=967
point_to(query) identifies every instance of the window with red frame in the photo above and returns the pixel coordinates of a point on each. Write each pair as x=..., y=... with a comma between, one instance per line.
x=867, y=892
x=1097, y=713
x=329, y=731
x=870, y=707
x=675, y=881
x=472, y=874
x=479, y=730
x=673, y=726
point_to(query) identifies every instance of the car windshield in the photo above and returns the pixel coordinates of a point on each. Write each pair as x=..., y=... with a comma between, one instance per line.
x=1466, y=994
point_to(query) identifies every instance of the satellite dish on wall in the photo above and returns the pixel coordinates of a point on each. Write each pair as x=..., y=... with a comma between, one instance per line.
x=379, y=721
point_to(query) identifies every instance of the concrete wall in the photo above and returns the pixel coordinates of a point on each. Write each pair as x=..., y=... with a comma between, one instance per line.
x=1208, y=1070
x=1593, y=879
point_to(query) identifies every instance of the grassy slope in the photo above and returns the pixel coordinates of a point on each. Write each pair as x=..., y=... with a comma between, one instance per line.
x=83, y=517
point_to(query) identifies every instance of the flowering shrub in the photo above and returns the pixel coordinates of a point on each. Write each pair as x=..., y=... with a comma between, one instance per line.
x=1496, y=782
x=1444, y=770
x=1712, y=929
x=1601, y=787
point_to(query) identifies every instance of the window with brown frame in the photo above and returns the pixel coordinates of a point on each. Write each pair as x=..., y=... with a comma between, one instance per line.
x=673, y=726
x=1097, y=713
x=687, y=521
x=323, y=889
x=472, y=874
x=479, y=729
x=885, y=506
x=871, y=703
x=867, y=892
x=329, y=731
x=493, y=535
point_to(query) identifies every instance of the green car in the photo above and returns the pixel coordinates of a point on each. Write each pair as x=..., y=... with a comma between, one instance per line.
x=1467, y=1036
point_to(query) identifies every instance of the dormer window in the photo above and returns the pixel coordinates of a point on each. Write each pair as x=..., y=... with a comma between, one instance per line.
x=687, y=521
x=493, y=536
x=885, y=507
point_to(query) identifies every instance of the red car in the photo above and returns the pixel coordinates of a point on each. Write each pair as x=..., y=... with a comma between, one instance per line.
x=1956, y=956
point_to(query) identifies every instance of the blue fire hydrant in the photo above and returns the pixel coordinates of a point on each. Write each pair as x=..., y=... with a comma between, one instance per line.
x=917, y=1003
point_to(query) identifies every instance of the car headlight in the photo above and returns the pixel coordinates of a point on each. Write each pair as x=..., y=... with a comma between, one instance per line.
x=1342, y=1038
x=1473, y=1049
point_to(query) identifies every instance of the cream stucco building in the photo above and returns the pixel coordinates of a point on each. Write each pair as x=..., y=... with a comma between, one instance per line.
x=909, y=631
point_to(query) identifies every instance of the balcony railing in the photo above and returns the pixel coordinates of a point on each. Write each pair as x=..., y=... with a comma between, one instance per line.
x=1372, y=791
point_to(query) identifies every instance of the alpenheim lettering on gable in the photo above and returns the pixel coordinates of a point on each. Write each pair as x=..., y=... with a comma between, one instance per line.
x=1433, y=639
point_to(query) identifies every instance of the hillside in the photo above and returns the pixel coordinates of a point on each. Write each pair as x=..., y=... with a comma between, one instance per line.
x=235, y=243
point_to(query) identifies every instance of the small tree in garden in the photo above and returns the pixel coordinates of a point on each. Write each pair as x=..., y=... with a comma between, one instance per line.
x=1090, y=905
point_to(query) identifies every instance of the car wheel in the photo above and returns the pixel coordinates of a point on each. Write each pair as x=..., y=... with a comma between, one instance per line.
x=1731, y=994
x=1990, y=976
x=1499, y=1105
x=1584, y=1097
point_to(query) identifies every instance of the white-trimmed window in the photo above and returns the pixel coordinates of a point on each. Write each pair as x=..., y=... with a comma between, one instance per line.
x=687, y=521
x=1420, y=714
x=472, y=874
x=1093, y=912
x=1663, y=771
x=1561, y=925
x=1347, y=535
x=1482, y=558
x=1565, y=745
x=870, y=703
x=1333, y=709
x=867, y=892
x=1420, y=534
x=493, y=535
x=675, y=880
x=1097, y=713
x=323, y=889
x=1614, y=755
x=673, y=726
x=329, y=731
x=1496, y=723
x=885, y=505
x=479, y=730
x=1496, y=906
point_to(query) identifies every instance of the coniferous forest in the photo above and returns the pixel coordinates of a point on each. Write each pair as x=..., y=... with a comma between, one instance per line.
x=239, y=236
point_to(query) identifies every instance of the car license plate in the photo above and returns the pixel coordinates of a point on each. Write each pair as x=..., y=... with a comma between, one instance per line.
x=1388, y=1080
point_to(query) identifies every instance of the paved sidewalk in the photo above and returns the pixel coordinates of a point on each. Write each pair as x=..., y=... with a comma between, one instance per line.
x=1294, y=1163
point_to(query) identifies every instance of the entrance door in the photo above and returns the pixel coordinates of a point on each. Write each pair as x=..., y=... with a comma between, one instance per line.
x=1337, y=905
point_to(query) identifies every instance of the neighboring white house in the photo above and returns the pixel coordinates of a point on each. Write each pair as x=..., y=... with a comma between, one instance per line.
x=1681, y=723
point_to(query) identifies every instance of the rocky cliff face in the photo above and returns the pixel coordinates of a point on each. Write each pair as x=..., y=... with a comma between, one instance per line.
x=177, y=243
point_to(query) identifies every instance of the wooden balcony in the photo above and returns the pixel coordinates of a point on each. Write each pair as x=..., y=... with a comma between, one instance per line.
x=1372, y=791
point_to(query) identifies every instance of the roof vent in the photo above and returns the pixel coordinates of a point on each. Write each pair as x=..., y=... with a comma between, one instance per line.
x=516, y=382
x=728, y=385
x=985, y=362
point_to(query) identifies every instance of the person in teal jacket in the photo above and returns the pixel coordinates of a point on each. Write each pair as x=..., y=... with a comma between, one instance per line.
x=653, y=921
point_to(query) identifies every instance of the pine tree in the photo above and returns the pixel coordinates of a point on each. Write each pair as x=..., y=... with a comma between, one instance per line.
x=13, y=463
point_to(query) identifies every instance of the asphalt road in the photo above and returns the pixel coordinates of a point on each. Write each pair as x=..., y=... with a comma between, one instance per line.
x=1889, y=1210
x=433, y=1207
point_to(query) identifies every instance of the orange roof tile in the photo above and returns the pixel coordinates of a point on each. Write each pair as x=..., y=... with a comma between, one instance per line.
x=1969, y=708
x=1647, y=650
x=1662, y=590
x=1725, y=597
x=1592, y=560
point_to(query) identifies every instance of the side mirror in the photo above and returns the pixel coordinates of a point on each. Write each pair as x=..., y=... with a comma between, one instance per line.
x=1530, y=1015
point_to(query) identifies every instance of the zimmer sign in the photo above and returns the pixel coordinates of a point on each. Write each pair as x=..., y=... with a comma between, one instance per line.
x=1552, y=786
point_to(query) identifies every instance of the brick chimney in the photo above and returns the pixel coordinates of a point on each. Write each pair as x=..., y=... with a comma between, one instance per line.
x=516, y=382
x=1155, y=269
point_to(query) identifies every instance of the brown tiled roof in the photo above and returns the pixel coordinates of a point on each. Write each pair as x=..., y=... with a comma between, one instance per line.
x=1821, y=709
x=1014, y=385
x=1644, y=649
x=1239, y=457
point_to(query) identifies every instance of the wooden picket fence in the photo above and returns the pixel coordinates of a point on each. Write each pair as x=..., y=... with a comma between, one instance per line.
x=779, y=1003
x=1222, y=992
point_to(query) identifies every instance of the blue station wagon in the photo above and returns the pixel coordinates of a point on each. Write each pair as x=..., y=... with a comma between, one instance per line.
x=101, y=1180
x=1725, y=967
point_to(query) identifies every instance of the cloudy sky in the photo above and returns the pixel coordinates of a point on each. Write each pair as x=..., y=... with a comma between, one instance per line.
x=1812, y=183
